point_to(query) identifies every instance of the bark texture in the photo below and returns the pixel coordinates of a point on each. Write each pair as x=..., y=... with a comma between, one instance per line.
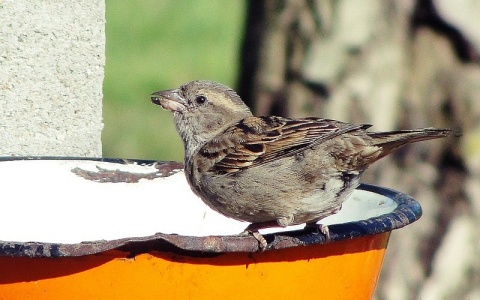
x=397, y=65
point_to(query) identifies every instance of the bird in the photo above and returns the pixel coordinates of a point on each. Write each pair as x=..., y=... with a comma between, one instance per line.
x=272, y=171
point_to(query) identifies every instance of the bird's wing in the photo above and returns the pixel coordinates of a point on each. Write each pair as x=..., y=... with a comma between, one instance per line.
x=259, y=140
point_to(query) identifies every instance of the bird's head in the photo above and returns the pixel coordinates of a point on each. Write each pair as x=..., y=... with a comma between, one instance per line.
x=202, y=110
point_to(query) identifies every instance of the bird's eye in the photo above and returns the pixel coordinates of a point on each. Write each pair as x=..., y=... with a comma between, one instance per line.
x=200, y=99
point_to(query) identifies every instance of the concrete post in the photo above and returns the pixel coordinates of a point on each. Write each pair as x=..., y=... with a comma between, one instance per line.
x=52, y=55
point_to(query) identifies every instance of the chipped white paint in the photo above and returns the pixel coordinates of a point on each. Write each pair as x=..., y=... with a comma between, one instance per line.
x=44, y=201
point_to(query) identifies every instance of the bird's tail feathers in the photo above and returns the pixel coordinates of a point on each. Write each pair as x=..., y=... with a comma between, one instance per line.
x=392, y=140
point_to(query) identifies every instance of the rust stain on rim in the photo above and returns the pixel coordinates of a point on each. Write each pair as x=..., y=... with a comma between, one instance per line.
x=407, y=211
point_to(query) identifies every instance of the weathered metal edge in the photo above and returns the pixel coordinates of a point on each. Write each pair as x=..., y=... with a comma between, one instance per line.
x=408, y=211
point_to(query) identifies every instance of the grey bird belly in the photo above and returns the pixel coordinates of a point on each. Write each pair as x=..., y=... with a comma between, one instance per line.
x=292, y=190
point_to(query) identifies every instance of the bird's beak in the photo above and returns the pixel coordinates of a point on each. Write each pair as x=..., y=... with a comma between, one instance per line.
x=170, y=100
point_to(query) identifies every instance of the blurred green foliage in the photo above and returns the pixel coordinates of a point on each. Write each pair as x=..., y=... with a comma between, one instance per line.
x=159, y=44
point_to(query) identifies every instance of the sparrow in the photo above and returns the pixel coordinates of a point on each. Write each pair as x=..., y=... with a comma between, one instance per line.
x=272, y=171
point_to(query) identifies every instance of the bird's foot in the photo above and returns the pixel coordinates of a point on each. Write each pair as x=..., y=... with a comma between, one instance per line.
x=262, y=242
x=322, y=228
x=253, y=229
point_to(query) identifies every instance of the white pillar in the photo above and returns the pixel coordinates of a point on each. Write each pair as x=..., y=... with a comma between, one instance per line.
x=52, y=55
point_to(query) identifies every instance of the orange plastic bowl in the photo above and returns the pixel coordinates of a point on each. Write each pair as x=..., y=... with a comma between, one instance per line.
x=297, y=264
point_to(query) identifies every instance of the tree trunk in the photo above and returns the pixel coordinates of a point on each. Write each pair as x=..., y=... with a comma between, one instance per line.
x=397, y=65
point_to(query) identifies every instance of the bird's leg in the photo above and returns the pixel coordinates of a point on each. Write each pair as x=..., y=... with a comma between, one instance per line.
x=255, y=227
x=322, y=227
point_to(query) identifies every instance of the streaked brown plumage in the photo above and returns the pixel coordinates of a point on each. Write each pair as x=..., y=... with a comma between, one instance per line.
x=272, y=171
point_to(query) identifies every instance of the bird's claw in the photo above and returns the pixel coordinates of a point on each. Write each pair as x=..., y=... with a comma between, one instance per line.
x=262, y=242
x=322, y=228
